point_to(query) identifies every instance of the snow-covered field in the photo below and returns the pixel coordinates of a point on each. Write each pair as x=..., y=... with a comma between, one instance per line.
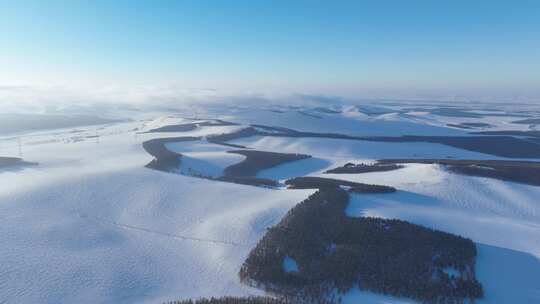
x=501, y=217
x=91, y=224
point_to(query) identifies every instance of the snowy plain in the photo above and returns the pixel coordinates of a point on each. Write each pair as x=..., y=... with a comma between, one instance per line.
x=91, y=224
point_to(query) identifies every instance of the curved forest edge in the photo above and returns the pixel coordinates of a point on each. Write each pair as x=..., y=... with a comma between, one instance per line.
x=501, y=144
x=497, y=143
x=256, y=161
x=164, y=159
x=515, y=171
x=243, y=172
x=334, y=252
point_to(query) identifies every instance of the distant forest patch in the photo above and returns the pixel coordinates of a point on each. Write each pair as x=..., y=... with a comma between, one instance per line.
x=526, y=172
x=449, y=111
x=191, y=126
x=498, y=143
x=530, y=121
x=164, y=159
x=364, y=168
x=470, y=125
x=256, y=161
x=529, y=133
x=308, y=114
x=235, y=300
x=10, y=162
x=243, y=172
x=314, y=182
x=503, y=145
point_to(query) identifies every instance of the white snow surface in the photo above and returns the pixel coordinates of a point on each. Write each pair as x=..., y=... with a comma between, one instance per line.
x=295, y=169
x=132, y=236
x=503, y=218
x=204, y=158
x=208, y=163
x=351, y=122
x=90, y=224
x=355, y=149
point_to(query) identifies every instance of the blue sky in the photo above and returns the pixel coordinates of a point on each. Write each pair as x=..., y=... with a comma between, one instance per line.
x=290, y=45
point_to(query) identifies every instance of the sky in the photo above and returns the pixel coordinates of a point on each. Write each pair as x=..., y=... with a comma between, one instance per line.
x=302, y=46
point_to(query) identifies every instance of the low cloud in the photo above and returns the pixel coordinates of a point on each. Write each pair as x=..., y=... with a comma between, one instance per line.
x=103, y=100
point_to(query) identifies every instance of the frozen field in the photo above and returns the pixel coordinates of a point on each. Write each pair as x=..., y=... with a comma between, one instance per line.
x=90, y=224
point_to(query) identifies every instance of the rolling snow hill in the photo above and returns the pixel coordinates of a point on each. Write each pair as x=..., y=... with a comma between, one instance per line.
x=88, y=223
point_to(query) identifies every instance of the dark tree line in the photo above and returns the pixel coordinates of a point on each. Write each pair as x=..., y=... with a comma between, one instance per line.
x=364, y=168
x=309, y=114
x=498, y=143
x=336, y=252
x=528, y=121
x=250, y=181
x=191, y=126
x=256, y=161
x=243, y=180
x=6, y=162
x=503, y=146
x=313, y=182
x=526, y=172
x=175, y=128
x=470, y=125
x=164, y=159
x=235, y=300
x=9, y=161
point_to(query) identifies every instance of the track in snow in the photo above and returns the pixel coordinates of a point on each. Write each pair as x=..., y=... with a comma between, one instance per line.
x=166, y=234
